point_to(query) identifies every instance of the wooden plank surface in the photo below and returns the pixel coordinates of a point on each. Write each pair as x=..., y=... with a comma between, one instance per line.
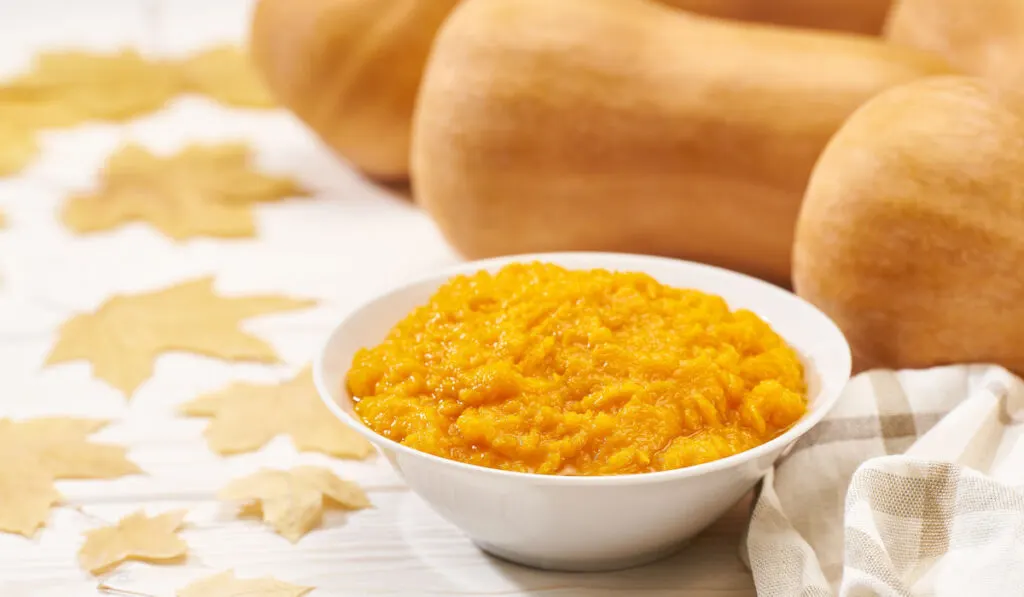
x=342, y=245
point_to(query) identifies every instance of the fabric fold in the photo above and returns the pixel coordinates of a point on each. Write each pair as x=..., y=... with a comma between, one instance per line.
x=911, y=486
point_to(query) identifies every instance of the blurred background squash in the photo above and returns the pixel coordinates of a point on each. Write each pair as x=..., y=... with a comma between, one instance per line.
x=855, y=16
x=351, y=68
x=688, y=136
x=980, y=37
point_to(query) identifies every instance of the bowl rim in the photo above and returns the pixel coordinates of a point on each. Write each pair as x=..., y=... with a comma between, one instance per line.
x=780, y=442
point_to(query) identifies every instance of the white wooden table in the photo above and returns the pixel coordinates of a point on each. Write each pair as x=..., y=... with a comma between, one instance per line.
x=347, y=242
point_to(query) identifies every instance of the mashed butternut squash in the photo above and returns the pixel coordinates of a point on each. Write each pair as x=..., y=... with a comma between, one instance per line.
x=546, y=370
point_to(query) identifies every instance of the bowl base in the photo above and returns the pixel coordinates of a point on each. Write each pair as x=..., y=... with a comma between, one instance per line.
x=580, y=565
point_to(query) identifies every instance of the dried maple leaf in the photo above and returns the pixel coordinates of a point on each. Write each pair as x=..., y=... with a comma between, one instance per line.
x=35, y=452
x=65, y=88
x=134, y=537
x=27, y=494
x=292, y=502
x=29, y=109
x=226, y=585
x=226, y=74
x=201, y=191
x=246, y=416
x=68, y=88
x=123, y=338
x=17, y=146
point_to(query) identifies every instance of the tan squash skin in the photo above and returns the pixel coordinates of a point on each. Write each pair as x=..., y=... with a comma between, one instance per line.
x=911, y=236
x=856, y=16
x=350, y=70
x=980, y=37
x=687, y=136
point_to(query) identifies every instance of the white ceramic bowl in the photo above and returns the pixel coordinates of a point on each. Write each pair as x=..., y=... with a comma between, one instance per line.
x=592, y=523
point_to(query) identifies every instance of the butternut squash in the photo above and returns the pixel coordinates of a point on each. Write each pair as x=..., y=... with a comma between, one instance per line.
x=911, y=236
x=856, y=16
x=350, y=70
x=980, y=37
x=624, y=125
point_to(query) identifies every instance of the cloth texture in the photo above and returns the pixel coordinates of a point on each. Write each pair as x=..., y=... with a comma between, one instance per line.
x=912, y=486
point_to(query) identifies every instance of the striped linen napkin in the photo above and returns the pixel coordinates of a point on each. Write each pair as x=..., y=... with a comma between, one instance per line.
x=912, y=486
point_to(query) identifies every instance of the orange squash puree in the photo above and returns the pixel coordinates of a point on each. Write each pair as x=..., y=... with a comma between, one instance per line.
x=546, y=370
